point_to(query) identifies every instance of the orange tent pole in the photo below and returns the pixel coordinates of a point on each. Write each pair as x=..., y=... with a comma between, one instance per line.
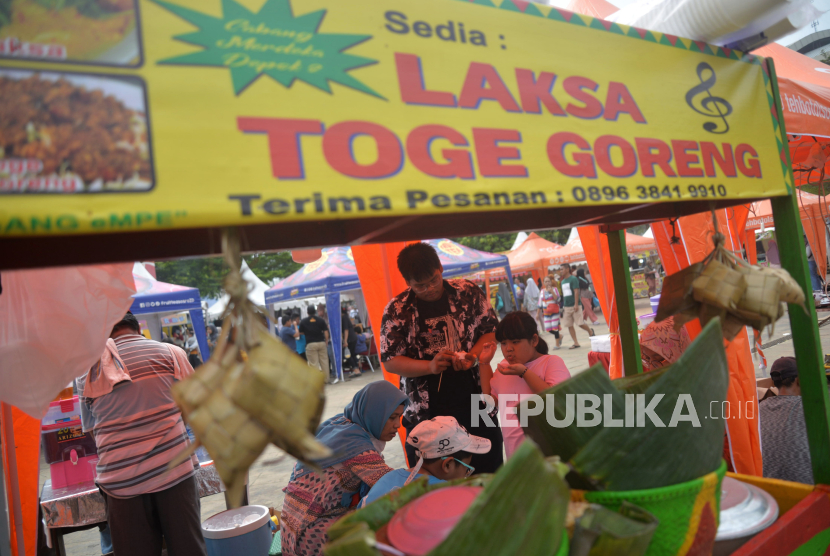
x=20, y=436
x=595, y=246
x=380, y=281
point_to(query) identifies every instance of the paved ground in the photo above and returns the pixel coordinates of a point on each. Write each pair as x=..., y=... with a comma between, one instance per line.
x=270, y=473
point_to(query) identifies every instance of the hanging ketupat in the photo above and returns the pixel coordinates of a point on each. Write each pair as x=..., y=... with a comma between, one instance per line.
x=727, y=287
x=252, y=391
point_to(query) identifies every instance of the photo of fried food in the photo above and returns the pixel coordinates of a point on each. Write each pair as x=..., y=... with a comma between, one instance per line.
x=84, y=30
x=75, y=127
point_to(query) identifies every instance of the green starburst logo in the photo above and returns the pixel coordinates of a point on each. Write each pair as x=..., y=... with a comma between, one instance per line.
x=272, y=42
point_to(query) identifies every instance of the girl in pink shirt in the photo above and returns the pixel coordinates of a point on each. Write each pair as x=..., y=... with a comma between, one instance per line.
x=527, y=369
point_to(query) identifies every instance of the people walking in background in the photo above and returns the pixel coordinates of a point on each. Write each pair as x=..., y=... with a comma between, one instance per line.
x=586, y=296
x=651, y=278
x=213, y=337
x=317, y=337
x=572, y=313
x=300, y=341
x=815, y=279
x=290, y=332
x=519, y=294
x=549, y=309
x=349, y=340
x=191, y=346
x=532, y=301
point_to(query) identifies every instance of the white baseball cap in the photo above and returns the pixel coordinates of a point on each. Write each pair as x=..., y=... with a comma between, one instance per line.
x=443, y=436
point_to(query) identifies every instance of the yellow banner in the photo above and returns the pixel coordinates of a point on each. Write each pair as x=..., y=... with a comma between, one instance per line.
x=192, y=113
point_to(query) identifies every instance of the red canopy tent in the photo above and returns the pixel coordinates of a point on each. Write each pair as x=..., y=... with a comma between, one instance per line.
x=534, y=255
x=813, y=209
x=573, y=252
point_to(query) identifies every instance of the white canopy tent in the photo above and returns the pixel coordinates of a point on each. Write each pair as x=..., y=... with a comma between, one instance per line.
x=256, y=293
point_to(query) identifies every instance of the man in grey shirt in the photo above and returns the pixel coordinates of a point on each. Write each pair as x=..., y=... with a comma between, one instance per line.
x=784, y=444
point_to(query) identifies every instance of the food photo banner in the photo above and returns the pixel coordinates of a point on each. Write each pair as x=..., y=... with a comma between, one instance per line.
x=117, y=116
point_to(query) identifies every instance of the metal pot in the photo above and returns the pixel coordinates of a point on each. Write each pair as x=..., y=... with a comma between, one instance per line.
x=745, y=511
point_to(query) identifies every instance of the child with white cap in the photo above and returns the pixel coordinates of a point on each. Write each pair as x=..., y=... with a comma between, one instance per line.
x=444, y=450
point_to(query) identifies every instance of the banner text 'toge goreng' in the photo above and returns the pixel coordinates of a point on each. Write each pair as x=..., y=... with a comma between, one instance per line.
x=193, y=113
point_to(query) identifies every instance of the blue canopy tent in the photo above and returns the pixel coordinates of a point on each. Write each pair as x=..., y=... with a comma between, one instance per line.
x=335, y=273
x=330, y=275
x=153, y=298
x=460, y=260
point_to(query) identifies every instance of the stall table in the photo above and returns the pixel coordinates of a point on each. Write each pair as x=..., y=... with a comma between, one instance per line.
x=81, y=507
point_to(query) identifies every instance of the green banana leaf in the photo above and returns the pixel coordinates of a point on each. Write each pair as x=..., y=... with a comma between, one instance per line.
x=639, y=383
x=527, y=503
x=652, y=456
x=603, y=532
x=565, y=442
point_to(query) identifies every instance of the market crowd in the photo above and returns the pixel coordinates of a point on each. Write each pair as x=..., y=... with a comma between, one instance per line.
x=440, y=336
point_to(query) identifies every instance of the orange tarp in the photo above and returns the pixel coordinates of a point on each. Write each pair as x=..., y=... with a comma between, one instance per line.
x=813, y=209
x=22, y=489
x=695, y=243
x=805, y=90
x=798, y=76
x=599, y=264
x=380, y=281
x=533, y=254
x=574, y=253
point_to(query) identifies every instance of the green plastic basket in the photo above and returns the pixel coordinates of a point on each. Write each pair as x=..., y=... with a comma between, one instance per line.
x=688, y=513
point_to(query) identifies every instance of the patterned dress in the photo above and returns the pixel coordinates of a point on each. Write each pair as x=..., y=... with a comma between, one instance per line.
x=549, y=303
x=316, y=500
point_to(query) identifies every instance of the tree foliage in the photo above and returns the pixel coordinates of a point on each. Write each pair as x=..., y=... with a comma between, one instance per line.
x=207, y=274
x=272, y=266
x=496, y=243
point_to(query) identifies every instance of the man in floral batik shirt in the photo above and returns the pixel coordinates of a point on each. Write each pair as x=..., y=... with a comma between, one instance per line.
x=421, y=330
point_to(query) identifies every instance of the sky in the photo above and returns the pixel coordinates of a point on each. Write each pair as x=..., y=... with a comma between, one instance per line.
x=821, y=5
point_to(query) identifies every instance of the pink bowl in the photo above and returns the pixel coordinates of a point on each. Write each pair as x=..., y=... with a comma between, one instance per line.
x=424, y=523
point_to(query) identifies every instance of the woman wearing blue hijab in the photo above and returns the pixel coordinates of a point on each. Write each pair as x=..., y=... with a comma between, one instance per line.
x=315, y=500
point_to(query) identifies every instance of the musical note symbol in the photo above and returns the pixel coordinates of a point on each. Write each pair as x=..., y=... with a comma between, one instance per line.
x=700, y=99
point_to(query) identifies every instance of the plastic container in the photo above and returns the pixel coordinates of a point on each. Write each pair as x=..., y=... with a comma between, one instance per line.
x=66, y=394
x=425, y=522
x=601, y=343
x=62, y=411
x=59, y=441
x=76, y=470
x=655, y=302
x=645, y=320
x=679, y=526
x=745, y=511
x=244, y=530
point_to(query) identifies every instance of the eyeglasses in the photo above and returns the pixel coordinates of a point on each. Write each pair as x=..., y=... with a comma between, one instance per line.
x=437, y=279
x=470, y=468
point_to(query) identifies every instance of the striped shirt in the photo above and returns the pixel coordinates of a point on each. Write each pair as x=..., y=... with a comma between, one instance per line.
x=138, y=428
